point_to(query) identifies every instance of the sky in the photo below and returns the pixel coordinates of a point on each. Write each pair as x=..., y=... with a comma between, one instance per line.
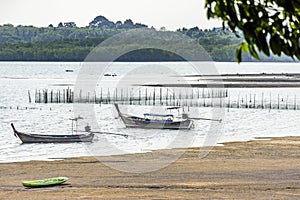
x=172, y=14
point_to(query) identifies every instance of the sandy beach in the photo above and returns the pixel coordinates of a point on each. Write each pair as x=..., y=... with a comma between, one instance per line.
x=260, y=169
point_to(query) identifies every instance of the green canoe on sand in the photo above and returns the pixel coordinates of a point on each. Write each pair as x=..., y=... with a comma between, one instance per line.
x=45, y=182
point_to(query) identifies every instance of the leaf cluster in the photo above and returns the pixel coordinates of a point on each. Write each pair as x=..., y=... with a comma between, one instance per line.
x=267, y=26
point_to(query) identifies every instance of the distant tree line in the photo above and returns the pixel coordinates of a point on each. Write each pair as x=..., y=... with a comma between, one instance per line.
x=67, y=42
x=99, y=27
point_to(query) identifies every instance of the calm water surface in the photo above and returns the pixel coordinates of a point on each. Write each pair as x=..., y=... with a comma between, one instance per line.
x=17, y=78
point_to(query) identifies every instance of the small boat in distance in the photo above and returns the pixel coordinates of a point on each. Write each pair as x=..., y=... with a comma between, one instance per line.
x=113, y=75
x=38, y=138
x=155, y=121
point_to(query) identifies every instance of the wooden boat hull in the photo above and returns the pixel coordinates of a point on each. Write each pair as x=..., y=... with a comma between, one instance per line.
x=37, y=138
x=141, y=123
x=137, y=122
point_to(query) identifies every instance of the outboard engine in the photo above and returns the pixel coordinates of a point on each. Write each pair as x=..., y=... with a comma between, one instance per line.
x=185, y=115
x=87, y=128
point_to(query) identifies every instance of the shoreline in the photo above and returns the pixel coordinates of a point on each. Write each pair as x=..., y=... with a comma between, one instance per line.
x=219, y=144
x=226, y=85
x=267, y=168
x=180, y=61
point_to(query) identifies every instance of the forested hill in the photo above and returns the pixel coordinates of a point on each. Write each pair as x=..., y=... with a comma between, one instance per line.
x=67, y=42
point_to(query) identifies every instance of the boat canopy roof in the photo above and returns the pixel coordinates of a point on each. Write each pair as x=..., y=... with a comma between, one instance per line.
x=157, y=115
x=173, y=108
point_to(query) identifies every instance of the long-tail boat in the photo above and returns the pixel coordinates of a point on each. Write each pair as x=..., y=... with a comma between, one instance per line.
x=38, y=138
x=154, y=121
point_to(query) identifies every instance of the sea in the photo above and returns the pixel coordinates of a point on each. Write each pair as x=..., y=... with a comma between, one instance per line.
x=18, y=80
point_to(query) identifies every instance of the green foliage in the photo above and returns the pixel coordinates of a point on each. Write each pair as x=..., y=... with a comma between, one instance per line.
x=102, y=22
x=33, y=34
x=219, y=44
x=99, y=27
x=64, y=50
x=70, y=43
x=268, y=26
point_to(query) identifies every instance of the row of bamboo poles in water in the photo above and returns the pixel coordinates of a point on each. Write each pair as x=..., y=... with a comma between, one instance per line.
x=190, y=97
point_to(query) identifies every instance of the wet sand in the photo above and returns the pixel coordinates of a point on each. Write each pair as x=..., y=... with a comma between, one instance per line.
x=262, y=80
x=261, y=169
